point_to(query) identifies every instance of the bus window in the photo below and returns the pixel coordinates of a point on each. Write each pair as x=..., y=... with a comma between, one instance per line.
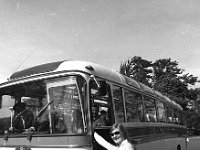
x=100, y=105
x=66, y=96
x=22, y=110
x=42, y=117
x=169, y=114
x=6, y=113
x=181, y=118
x=176, y=116
x=150, y=109
x=118, y=101
x=161, y=111
x=134, y=110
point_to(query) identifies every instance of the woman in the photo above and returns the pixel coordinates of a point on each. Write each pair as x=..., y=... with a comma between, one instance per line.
x=119, y=136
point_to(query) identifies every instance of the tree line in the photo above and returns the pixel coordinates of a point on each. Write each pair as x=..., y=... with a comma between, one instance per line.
x=165, y=76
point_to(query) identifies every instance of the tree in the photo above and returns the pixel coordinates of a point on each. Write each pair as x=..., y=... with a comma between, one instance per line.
x=138, y=69
x=165, y=76
x=194, y=96
x=169, y=79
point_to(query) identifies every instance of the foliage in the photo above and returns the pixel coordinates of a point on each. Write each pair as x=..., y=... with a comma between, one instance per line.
x=138, y=69
x=165, y=76
x=169, y=79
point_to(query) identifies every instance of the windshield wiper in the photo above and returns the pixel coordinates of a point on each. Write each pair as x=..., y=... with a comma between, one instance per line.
x=20, y=113
x=43, y=109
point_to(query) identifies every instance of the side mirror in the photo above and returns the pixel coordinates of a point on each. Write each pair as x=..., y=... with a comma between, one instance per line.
x=101, y=86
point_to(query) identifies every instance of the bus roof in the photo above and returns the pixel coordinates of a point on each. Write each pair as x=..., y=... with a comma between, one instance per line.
x=87, y=67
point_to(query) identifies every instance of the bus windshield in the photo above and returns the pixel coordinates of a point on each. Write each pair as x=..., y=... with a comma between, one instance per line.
x=50, y=106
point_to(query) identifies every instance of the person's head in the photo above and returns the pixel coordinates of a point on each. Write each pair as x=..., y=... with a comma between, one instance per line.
x=118, y=133
x=19, y=107
x=95, y=110
x=103, y=113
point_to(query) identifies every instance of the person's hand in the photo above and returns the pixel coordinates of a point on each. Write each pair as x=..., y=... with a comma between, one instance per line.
x=11, y=129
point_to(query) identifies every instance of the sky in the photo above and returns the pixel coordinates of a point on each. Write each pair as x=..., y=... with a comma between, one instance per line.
x=107, y=32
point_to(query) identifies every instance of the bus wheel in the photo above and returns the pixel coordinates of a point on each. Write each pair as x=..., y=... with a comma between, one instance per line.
x=178, y=147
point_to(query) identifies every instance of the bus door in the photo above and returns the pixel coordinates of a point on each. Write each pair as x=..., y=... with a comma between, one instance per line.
x=101, y=110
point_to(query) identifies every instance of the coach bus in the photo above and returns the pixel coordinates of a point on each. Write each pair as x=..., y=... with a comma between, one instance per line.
x=54, y=106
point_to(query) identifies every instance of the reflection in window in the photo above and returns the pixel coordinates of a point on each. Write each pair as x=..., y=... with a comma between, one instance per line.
x=66, y=107
x=28, y=107
x=181, y=118
x=176, y=116
x=119, y=107
x=150, y=109
x=161, y=111
x=169, y=114
x=134, y=110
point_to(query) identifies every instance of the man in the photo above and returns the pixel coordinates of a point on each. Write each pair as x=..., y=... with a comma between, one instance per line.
x=22, y=120
x=102, y=119
x=95, y=112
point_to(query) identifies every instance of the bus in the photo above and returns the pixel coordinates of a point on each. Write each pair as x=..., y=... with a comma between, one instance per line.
x=51, y=106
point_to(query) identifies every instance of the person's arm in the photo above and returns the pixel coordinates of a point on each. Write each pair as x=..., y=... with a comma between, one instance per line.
x=95, y=123
x=15, y=127
x=101, y=141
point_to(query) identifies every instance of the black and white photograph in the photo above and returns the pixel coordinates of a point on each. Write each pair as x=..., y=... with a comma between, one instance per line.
x=99, y=74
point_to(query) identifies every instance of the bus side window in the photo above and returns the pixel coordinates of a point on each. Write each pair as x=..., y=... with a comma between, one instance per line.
x=181, y=119
x=150, y=109
x=176, y=116
x=169, y=114
x=6, y=112
x=134, y=109
x=118, y=103
x=161, y=111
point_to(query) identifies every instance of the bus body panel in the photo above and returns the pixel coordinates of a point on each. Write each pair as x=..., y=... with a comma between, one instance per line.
x=163, y=144
x=49, y=140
